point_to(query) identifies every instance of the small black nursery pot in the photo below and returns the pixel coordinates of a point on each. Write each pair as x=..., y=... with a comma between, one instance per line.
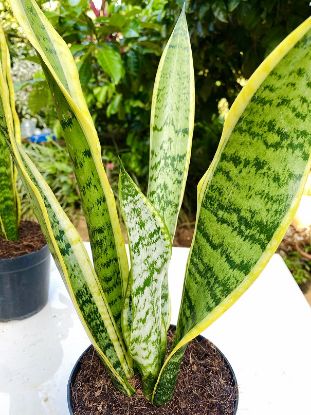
x=24, y=284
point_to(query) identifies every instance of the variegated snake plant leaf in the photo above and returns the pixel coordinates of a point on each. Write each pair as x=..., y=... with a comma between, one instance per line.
x=81, y=280
x=250, y=193
x=9, y=201
x=82, y=142
x=171, y=130
x=246, y=199
x=150, y=252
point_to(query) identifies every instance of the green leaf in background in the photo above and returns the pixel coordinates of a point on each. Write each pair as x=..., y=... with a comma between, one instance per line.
x=233, y=4
x=250, y=193
x=39, y=97
x=97, y=199
x=114, y=105
x=85, y=67
x=150, y=251
x=110, y=60
x=220, y=11
x=54, y=163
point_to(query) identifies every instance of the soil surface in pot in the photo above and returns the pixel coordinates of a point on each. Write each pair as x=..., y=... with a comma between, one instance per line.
x=205, y=387
x=30, y=240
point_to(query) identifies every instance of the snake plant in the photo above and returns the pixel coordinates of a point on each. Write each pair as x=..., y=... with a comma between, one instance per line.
x=246, y=200
x=9, y=200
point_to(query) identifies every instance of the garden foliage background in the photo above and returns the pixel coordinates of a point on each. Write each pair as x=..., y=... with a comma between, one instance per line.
x=117, y=50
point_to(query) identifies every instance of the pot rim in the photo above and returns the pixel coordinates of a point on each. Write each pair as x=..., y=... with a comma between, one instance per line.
x=13, y=264
x=77, y=365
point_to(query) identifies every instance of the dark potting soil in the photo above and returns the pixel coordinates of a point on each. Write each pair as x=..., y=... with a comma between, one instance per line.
x=204, y=387
x=30, y=240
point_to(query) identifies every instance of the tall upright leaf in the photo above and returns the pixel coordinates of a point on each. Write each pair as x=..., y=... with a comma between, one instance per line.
x=9, y=219
x=250, y=193
x=171, y=129
x=68, y=250
x=171, y=125
x=83, y=145
x=8, y=202
x=150, y=251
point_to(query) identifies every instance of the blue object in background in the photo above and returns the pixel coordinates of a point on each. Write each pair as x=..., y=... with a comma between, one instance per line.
x=41, y=138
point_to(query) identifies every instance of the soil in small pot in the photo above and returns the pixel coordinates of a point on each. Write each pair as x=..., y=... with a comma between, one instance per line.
x=30, y=240
x=205, y=386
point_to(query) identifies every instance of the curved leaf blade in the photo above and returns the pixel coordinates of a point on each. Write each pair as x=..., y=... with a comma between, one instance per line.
x=150, y=251
x=97, y=199
x=77, y=271
x=250, y=193
x=70, y=254
x=97, y=212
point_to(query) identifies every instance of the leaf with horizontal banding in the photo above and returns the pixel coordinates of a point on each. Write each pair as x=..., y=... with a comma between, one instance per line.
x=9, y=215
x=106, y=265
x=71, y=258
x=78, y=273
x=97, y=199
x=16, y=127
x=8, y=203
x=171, y=129
x=250, y=193
x=150, y=252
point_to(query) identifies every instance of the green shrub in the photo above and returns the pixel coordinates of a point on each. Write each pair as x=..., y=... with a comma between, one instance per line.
x=299, y=266
x=117, y=55
x=55, y=165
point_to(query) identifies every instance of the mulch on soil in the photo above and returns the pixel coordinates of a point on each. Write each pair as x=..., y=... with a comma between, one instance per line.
x=30, y=240
x=205, y=387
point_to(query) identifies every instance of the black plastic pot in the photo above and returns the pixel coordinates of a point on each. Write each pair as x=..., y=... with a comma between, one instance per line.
x=24, y=284
x=77, y=366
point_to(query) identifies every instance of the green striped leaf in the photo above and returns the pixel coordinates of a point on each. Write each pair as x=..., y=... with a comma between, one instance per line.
x=8, y=203
x=150, y=252
x=171, y=129
x=78, y=273
x=250, y=193
x=9, y=218
x=171, y=125
x=97, y=199
x=97, y=216
x=71, y=257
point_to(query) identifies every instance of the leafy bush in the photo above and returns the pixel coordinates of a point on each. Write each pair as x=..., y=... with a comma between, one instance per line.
x=296, y=252
x=55, y=165
x=299, y=266
x=117, y=54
